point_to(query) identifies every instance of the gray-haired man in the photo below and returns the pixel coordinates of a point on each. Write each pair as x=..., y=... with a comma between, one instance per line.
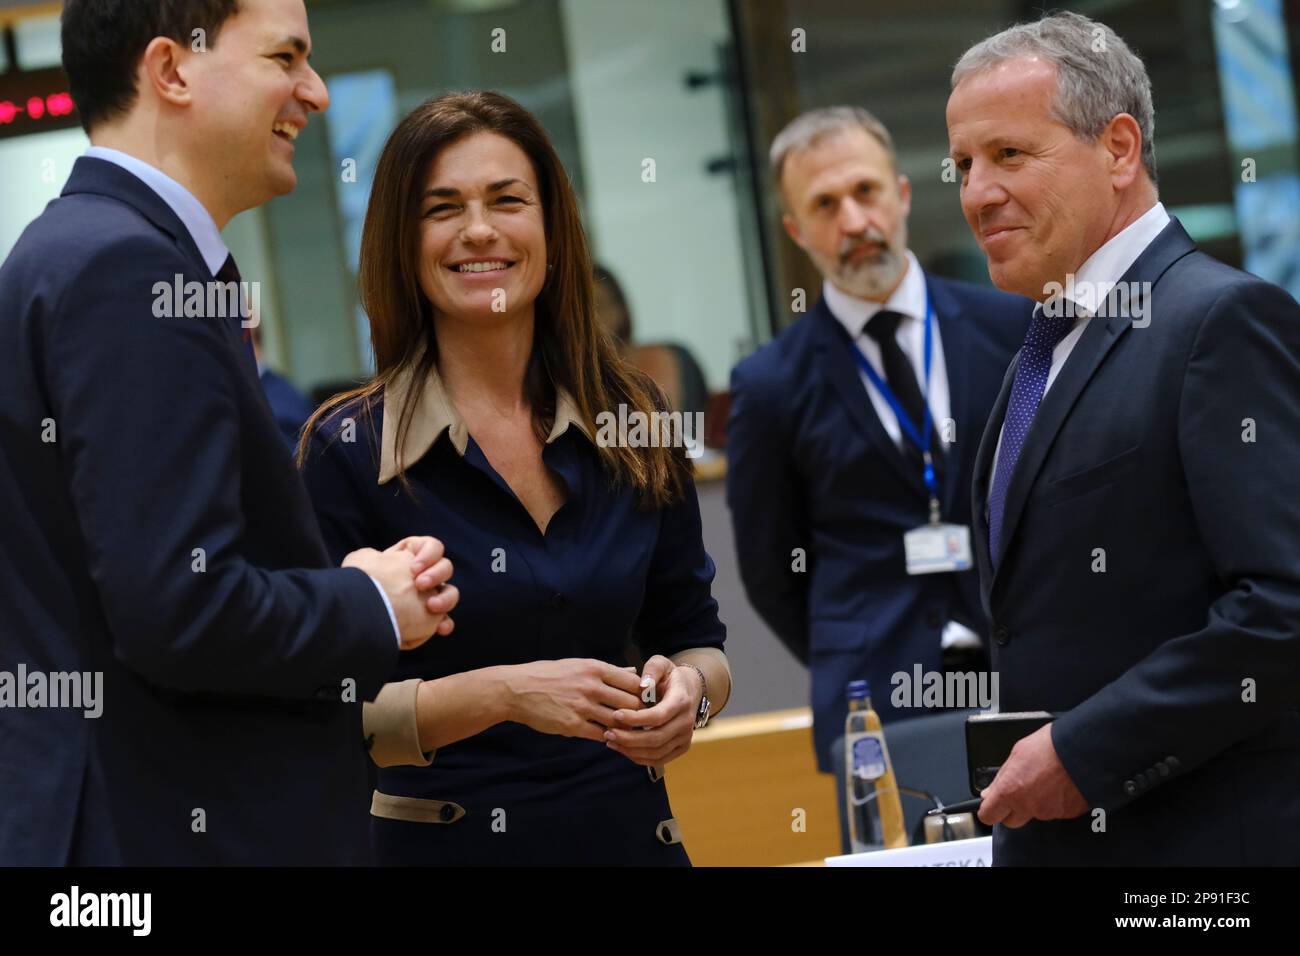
x=827, y=441
x=1137, y=541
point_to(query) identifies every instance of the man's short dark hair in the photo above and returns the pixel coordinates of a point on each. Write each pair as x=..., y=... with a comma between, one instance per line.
x=103, y=41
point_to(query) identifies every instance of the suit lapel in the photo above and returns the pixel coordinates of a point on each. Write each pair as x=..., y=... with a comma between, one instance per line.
x=1099, y=336
x=102, y=178
x=954, y=336
x=842, y=372
x=983, y=467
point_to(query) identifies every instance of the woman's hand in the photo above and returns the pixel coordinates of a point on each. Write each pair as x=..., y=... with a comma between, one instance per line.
x=661, y=733
x=575, y=697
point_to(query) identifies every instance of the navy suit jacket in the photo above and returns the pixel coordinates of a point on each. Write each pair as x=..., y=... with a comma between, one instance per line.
x=289, y=406
x=1148, y=589
x=164, y=539
x=810, y=466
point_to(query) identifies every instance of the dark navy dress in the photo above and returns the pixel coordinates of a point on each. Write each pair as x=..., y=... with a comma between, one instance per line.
x=606, y=574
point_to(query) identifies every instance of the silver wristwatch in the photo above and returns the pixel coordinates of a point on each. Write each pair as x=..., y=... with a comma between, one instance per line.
x=702, y=714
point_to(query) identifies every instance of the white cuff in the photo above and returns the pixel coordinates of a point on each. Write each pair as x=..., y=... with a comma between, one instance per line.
x=388, y=606
x=958, y=635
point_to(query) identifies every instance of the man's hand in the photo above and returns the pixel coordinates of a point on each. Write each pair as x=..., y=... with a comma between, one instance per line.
x=414, y=575
x=1031, y=785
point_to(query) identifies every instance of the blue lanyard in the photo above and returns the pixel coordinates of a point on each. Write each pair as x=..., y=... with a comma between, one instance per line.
x=920, y=439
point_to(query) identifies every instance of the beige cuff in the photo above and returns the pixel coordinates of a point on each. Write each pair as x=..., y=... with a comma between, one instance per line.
x=414, y=809
x=669, y=831
x=391, y=727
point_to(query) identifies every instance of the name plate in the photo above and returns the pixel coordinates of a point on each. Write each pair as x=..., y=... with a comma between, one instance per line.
x=974, y=852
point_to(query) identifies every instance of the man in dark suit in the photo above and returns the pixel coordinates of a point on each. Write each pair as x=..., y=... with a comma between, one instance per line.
x=158, y=541
x=824, y=477
x=1137, y=523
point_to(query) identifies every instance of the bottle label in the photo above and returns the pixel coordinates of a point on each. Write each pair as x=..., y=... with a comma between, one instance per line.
x=868, y=758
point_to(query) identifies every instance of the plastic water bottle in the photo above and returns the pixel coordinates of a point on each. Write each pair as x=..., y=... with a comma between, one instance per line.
x=875, y=811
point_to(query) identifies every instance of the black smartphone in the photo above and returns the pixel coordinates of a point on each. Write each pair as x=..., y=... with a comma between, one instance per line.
x=989, y=739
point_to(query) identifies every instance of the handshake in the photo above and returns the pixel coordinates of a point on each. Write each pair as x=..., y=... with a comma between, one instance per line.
x=414, y=574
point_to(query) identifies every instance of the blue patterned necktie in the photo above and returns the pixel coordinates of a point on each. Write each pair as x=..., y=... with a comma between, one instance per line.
x=1044, y=334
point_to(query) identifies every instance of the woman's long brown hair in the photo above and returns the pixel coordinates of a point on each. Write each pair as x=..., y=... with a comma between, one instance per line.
x=570, y=348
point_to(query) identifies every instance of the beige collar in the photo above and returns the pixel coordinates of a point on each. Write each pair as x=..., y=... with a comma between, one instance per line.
x=435, y=414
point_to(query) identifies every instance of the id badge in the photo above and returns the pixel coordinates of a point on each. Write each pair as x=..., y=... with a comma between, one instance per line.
x=937, y=547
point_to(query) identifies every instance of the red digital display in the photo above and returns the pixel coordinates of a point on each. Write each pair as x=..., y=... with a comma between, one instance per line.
x=35, y=102
x=54, y=105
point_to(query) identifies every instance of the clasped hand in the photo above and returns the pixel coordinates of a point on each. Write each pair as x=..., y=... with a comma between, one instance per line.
x=413, y=573
x=658, y=734
x=598, y=701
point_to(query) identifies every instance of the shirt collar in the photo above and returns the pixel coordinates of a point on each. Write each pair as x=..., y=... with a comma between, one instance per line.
x=854, y=313
x=1105, y=267
x=434, y=414
x=193, y=216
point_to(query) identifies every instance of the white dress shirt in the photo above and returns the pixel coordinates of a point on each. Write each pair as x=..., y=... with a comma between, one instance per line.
x=909, y=301
x=203, y=230
x=1095, y=277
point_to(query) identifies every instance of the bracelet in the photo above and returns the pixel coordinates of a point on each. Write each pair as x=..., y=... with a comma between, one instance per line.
x=704, y=684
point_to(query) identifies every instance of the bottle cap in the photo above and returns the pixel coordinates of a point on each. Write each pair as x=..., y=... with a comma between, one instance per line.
x=859, y=690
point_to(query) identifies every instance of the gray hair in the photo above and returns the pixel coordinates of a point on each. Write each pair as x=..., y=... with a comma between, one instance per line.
x=1097, y=75
x=808, y=129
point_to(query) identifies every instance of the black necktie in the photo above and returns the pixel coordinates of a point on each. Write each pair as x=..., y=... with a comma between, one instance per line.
x=901, y=379
x=228, y=273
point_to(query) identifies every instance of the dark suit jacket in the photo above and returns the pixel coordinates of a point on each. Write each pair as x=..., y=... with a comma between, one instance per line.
x=223, y=736
x=1136, y=456
x=811, y=466
x=288, y=405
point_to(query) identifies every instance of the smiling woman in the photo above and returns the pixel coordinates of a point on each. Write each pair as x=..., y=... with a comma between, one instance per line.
x=482, y=234
x=414, y=306
x=492, y=371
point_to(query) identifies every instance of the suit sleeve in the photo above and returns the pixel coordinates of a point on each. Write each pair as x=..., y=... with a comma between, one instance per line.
x=765, y=496
x=679, y=611
x=1198, y=694
x=149, y=433
x=337, y=488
